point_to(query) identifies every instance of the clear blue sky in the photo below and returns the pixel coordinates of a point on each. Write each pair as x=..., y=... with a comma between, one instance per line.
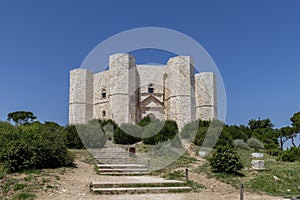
x=255, y=44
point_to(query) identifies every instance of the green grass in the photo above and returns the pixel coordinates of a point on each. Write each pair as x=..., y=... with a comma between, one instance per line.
x=176, y=175
x=19, y=186
x=24, y=195
x=262, y=181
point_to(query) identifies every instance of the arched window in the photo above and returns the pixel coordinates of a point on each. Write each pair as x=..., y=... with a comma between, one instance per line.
x=150, y=88
x=103, y=93
x=103, y=114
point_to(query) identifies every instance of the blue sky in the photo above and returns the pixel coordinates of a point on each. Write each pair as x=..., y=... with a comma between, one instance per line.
x=255, y=44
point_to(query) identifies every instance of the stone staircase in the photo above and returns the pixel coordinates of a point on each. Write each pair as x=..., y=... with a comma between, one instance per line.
x=127, y=175
x=117, y=161
x=144, y=185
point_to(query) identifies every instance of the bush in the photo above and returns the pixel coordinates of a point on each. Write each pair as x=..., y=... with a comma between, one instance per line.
x=255, y=143
x=240, y=144
x=225, y=159
x=159, y=132
x=290, y=155
x=73, y=139
x=189, y=131
x=127, y=134
x=34, y=146
x=92, y=134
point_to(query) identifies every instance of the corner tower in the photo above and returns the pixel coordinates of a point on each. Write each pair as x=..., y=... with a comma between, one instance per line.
x=180, y=86
x=206, y=96
x=81, y=96
x=124, y=84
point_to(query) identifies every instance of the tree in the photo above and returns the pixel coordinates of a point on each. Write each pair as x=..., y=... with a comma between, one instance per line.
x=260, y=124
x=21, y=117
x=295, y=119
x=284, y=134
x=290, y=132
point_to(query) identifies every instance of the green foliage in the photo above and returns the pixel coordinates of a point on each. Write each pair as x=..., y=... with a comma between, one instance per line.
x=24, y=195
x=189, y=131
x=73, y=139
x=34, y=146
x=238, y=132
x=260, y=124
x=92, y=134
x=159, y=132
x=5, y=127
x=290, y=155
x=255, y=143
x=175, y=175
x=240, y=144
x=145, y=121
x=127, y=134
x=201, y=130
x=21, y=117
x=225, y=159
x=295, y=119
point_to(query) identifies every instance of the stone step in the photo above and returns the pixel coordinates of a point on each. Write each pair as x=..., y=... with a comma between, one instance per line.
x=165, y=183
x=120, y=166
x=123, y=170
x=123, y=190
x=122, y=173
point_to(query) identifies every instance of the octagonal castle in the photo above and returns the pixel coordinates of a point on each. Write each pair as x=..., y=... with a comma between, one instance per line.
x=127, y=92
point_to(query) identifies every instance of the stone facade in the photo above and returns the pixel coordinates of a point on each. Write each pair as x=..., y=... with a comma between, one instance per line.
x=127, y=92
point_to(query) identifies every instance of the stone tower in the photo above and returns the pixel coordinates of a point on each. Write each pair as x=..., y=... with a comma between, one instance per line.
x=206, y=96
x=81, y=96
x=124, y=94
x=180, y=86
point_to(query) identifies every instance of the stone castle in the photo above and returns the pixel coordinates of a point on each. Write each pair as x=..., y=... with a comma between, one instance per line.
x=127, y=92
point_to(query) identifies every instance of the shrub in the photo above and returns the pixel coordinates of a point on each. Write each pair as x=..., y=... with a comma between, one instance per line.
x=73, y=139
x=255, y=143
x=290, y=155
x=92, y=134
x=127, y=134
x=225, y=159
x=210, y=134
x=189, y=131
x=240, y=144
x=159, y=132
x=33, y=146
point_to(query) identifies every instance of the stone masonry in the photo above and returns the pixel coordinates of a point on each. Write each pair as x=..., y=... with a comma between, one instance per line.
x=127, y=92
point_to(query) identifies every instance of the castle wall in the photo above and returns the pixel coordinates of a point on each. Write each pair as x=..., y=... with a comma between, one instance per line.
x=81, y=96
x=123, y=85
x=151, y=74
x=101, y=95
x=180, y=90
x=206, y=96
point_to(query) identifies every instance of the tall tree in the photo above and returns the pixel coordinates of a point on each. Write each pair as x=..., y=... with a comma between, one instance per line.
x=290, y=132
x=21, y=117
x=260, y=124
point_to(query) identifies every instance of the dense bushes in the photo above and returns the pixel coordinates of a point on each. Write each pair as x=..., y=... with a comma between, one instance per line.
x=34, y=146
x=290, y=155
x=225, y=159
x=73, y=139
x=159, y=132
x=127, y=134
x=149, y=133
x=92, y=134
x=255, y=143
x=240, y=144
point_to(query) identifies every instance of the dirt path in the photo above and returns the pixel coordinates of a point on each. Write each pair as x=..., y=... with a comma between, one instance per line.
x=74, y=184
